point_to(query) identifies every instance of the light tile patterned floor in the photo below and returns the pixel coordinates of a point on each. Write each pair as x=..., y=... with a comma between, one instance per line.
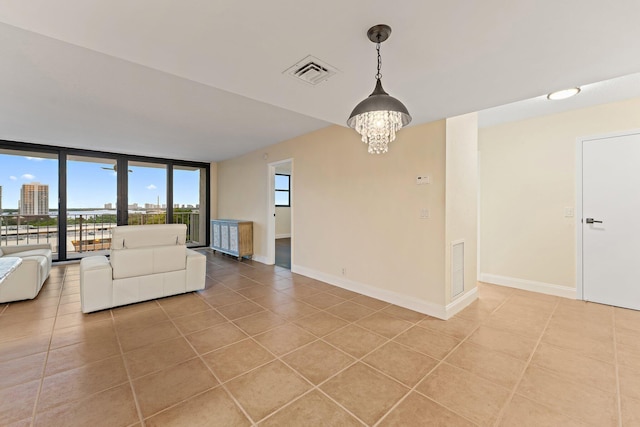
x=262, y=346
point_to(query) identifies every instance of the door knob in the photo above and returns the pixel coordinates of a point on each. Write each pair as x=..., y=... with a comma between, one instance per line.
x=592, y=221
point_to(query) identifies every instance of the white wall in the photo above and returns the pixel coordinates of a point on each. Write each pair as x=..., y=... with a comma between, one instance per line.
x=461, y=196
x=527, y=179
x=283, y=222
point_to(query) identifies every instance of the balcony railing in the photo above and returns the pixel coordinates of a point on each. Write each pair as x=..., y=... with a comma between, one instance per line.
x=86, y=233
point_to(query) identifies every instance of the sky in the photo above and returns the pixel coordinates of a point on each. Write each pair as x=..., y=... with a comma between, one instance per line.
x=91, y=186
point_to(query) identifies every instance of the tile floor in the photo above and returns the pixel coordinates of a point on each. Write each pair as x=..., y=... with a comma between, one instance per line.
x=262, y=346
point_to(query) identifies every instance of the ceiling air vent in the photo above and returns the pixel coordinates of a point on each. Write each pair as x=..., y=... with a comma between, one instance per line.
x=311, y=70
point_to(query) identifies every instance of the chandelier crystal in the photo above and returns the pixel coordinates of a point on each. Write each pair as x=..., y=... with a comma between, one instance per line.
x=378, y=129
x=379, y=116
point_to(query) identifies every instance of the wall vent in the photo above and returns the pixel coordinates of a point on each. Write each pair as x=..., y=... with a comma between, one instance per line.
x=457, y=268
x=311, y=70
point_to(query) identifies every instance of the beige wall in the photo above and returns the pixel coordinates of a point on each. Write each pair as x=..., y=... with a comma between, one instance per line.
x=283, y=222
x=528, y=178
x=354, y=212
x=462, y=196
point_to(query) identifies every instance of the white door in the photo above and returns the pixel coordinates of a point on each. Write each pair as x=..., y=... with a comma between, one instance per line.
x=611, y=220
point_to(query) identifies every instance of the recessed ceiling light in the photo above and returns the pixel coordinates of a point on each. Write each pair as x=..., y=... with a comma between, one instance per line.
x=563, y=94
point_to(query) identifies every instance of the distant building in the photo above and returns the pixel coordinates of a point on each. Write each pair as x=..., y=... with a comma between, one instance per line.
x=133, y=207
x=108, y=205
x=149, y=206
x=0, y=199
x=34, y=199
x=176, y=205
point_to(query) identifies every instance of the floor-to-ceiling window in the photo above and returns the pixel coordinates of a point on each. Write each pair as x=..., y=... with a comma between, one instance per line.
x=189, y=201
x=29, y=198
x=72, y=198
x=92, y=193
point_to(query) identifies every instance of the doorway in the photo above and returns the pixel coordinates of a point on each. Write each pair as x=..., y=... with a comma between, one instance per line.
x=608, y=257
x=281, y=213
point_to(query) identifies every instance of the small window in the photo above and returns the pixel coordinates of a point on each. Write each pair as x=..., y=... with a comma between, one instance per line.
x=283, y=190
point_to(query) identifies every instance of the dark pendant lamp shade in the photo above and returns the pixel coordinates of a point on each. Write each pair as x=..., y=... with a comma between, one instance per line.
x=379, y=100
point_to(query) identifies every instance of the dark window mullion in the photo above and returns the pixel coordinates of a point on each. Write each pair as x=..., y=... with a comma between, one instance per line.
x=62, y=206
x=123, y=191
x=169, y=193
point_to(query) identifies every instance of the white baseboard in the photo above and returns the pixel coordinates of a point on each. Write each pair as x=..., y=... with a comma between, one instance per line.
x=421, y=306
x=260, y=258
x=530, y=285
x=460, y=303
x=283, y=236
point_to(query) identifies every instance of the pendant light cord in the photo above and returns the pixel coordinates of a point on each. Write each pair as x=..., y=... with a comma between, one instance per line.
x=379, y=75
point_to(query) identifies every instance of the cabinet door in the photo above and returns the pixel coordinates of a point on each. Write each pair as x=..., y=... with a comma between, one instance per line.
x=224, y=239
x=233, y=238
x=216, y=235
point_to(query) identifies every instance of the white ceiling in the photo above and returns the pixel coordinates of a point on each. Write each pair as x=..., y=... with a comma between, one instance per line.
x=203, y=80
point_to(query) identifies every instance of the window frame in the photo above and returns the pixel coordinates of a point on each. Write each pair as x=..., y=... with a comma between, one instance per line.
x=122, y=160
x=288, y=191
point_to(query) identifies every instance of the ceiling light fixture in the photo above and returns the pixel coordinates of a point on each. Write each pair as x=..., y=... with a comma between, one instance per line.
x=563, y=94
x=379, y=116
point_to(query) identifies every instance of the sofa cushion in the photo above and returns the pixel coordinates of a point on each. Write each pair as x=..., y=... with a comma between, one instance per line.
x=43, y=264
x=8, y=265
x=150, y=260
x=34, y=252
x=139, y=236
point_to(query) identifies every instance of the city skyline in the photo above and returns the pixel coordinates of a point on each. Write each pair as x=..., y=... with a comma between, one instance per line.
x=91, y=185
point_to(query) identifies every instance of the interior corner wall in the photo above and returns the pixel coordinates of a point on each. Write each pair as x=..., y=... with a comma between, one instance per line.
x=357, y=215
x=462, y=197
x=213, y=191
x=527, y=180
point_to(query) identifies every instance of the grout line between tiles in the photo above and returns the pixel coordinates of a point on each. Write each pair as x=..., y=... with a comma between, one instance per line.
x=200, y=357
x=441, y=361
x=617, y=366
x=126, y=368
x=46, y=360
x=526, y=366
x=280, y=359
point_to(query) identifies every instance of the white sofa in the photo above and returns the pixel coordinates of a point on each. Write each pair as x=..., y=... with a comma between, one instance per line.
x=146, y=262
x=25, y=281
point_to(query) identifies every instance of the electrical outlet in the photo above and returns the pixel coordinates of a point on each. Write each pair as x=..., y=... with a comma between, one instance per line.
x=344, y=271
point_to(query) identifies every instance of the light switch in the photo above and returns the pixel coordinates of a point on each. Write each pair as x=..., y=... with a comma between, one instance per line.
x=424, y=213
x=568, y=212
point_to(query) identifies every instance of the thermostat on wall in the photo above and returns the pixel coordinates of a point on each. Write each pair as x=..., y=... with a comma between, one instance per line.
x=423, y=179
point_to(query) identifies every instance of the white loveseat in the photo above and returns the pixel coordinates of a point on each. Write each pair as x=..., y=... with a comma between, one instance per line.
x=31, y=270
x=146, y=262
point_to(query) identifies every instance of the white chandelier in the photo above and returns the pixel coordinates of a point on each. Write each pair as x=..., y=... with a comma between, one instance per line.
x=379, y=116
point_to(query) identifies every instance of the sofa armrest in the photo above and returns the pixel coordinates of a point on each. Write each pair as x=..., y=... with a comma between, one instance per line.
x=8, y=250
x=196, y=270
x=96, y=287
